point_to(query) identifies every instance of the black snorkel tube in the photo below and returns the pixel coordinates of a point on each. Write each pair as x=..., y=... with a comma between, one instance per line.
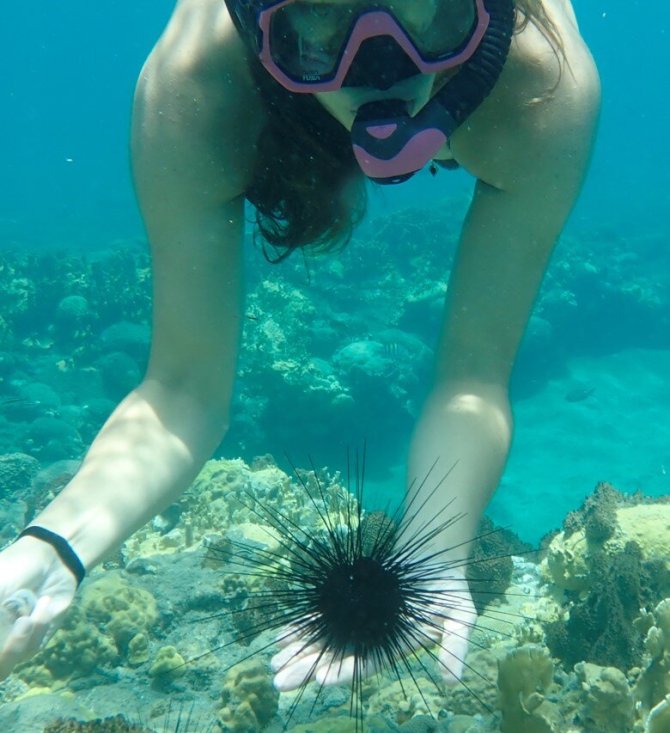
x=389, y=144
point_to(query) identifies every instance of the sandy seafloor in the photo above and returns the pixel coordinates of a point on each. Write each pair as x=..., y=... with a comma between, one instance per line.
x=620, y=433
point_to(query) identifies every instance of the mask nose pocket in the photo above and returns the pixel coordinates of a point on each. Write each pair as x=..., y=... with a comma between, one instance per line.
x=380, y=63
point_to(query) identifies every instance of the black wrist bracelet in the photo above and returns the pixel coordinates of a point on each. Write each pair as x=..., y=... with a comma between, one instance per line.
x=67, y=555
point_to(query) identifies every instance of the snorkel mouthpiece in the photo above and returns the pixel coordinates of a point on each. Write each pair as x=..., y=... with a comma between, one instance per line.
x=390, y=146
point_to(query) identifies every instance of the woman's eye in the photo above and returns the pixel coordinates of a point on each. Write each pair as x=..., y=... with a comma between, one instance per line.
x=316, y=10
x=321, y=10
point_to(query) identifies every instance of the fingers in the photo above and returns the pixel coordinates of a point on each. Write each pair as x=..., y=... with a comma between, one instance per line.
x=24, y=638
x=292, y=652
x=458, y=623
x=313, y=664
x=336, y=672
x=297, y=659
x=299, y=663
x=451, y=655
x=342, y=670
x=289, y=634
x=28, y=633
x=298, y=672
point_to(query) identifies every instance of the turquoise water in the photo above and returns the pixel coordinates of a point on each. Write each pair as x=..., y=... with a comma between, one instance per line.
x=336, y=351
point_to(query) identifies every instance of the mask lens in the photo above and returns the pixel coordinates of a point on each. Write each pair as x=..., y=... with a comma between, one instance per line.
x=308, y=39
x=452, y=26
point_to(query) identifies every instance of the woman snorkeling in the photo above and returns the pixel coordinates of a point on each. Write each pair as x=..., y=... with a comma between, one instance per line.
x=292, y=105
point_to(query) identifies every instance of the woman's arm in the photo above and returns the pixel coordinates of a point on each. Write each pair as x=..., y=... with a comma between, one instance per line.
x=530, y=159
x=189, y=175
x=194, y=122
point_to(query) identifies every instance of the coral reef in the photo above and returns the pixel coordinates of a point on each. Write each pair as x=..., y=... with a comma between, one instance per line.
x=219, y=507
x=121, y=610
x=600, y=626
x=373, y=724
x=249, y=698
x=490, y=570
x=397, y=703
x=17, y=471
x=151, y=629
x=653, y=683
x=597, y=516
x=372, y=313
x=525, y=676
x=611, y=559
x=17, y=500
x=168, y=666
x=608, y=702
x=117, y=724
x=53, y=308
x=76, y=650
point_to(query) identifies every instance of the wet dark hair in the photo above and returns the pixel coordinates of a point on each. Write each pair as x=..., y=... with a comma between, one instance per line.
x=307, y=188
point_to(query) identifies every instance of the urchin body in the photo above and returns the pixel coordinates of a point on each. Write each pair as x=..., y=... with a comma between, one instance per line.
x=360, y=594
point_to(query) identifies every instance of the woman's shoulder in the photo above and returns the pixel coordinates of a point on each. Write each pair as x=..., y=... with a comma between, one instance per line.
x=548, y=51
x=196, y=102
x=548, y=90
x=201, y=58
x=201, y=41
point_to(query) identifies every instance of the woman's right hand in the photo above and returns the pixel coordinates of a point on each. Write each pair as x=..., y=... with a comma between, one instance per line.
x=450, y=616
x=32, y=565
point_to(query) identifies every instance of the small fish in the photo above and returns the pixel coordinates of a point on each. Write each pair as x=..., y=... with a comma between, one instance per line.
x=5, y=401
x=390, y=349
x=579, y=394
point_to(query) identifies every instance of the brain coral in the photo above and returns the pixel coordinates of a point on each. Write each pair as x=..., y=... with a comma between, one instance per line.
x=568, y=559
x=120, y=609
x=250, y=700
x=77, y=649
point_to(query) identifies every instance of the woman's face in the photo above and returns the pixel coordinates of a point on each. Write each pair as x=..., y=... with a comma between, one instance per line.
x=317, y=21
x=310, y=18
x=344, y=103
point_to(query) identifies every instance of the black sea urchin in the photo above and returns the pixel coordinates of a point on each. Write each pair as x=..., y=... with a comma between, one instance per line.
x=362, y=594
